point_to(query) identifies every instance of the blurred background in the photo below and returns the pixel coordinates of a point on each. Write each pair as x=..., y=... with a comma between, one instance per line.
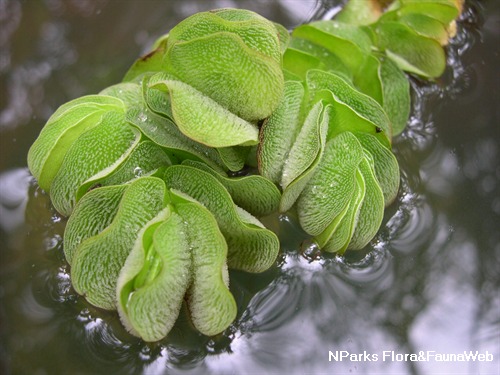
x=429, y=281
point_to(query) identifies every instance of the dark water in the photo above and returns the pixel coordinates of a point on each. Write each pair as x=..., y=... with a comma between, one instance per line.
x=430, y=283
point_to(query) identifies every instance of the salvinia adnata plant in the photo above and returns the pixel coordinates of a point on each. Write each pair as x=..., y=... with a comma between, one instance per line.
x=144, y=169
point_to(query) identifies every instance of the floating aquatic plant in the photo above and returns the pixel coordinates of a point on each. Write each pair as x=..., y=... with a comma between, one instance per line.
x=144, y=169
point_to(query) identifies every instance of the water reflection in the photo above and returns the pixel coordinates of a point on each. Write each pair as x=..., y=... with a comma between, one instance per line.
x=428, y=281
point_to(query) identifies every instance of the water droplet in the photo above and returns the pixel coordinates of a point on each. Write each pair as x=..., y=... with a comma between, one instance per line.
x=142, y=117
x=138, y=171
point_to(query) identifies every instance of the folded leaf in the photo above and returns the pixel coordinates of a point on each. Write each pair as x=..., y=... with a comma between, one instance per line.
x=340, y=238
x=156, y=275
x=250, y=248
x=97, y=261
x=92, y=214
x=98, y=151
x=205, y=121
x=242, y=81
x=306, y=147
x=381, y=79
x=210, y=302
x=299, y=62
x=411, y=52
x=279, y=131
x=305, y=154
x=254, y=193
x=234, y=157
x=153, y=61
x=157, y=100
x=331, y=62
x=352, y=110
x=130, y=93
x=62, y=129
x=371, y=212
x=385, y=165
x=426, y=26
x=349, y=42
x=332, y=186
x=146, y=158
x=165, y=134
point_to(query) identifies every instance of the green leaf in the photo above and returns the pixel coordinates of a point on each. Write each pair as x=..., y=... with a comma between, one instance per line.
x=331, y=188
x=205, y=121
x=410, y=51
x=165, y=134
x=381, y=79
x=96, y=152
x=306, y=147
x=255, y=194
x=256, y=32
x=339, y=239
x=155, y=277
x=371, y=212
x=146, y=158
x=443, y=10
x=250, y=248
x=304, y=155
x=98, y=260
x=233, y=157
x=242, y=81
x=368, y=79
x=385, y=165
x=331, y=62
x=352, y=110
x=299, y=62
x=426, y=26
x=151, y=62
x=129, y=93
x=283, y=36
x=360, y=12
x=157, y=100
x=349, y=42
x=92, y=214
x=396, y=93
x=322, y=239
x=210, y=302
x=279, y=131
x=62, y=129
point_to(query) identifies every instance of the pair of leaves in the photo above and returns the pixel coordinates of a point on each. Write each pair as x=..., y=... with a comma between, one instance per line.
x=412, y=33
x=208, y=51
x=208, y=98
x=97, y=244
x=88, y=142
x=180, y=252
x=343, y=204
x=349, y=43
x=206, y=121
x=381, y=79
x=251, y=247
x=289, y=152
x=142, y=246
x=179, y=134
x=61, y=130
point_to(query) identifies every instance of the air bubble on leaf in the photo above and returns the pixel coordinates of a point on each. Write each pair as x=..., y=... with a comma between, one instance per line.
x=142, y=117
